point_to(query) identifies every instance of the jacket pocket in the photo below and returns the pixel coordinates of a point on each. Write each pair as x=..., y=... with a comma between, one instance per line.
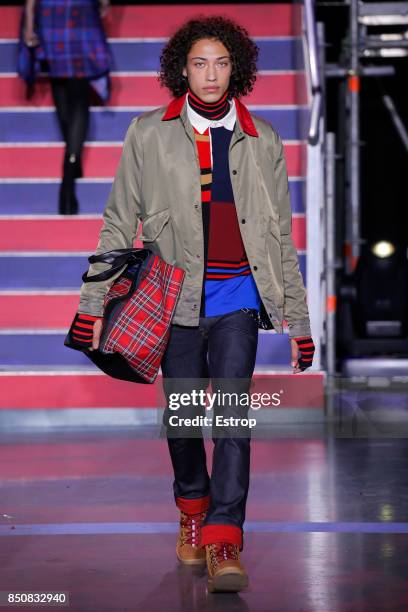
x=160, y=235
x=153, y=225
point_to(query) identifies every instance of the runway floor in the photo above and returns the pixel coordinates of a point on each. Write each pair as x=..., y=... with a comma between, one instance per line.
x=92, y=514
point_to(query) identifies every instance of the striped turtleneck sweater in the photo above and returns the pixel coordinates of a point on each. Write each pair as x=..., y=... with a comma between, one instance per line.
x=214, y=111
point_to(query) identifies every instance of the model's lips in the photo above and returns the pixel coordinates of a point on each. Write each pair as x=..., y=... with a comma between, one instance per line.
x=211, y=88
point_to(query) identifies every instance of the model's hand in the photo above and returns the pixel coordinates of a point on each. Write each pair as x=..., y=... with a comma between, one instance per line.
x=30, y=37
x=104, y=6
x=97, y=329
x=294, y=356
x=306, y=347
x=86, y=330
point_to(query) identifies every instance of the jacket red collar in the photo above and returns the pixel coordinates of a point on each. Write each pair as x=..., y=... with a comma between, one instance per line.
x=174, y=109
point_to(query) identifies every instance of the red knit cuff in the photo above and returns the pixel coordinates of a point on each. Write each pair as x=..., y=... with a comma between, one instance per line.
x=210, y=534
x=89, y=317
x=82, y=329
x=307, y=348
x=193, y=506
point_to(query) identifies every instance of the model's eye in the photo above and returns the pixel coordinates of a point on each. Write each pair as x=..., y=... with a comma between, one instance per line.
x=199, y=64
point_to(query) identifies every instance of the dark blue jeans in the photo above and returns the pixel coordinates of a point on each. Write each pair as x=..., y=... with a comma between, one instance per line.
x=222, y=348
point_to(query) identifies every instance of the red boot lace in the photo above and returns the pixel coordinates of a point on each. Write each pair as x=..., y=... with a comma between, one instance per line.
x=223, y=551
x=191, y=528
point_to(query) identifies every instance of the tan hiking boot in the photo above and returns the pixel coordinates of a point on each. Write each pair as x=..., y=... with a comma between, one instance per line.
x=188, y=548
x=225, y=571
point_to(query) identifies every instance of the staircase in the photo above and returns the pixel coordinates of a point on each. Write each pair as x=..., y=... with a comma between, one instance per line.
x=43, y=255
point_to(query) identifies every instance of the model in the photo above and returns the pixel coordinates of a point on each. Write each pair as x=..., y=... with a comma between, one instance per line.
x=68, y=42
x=208, y=180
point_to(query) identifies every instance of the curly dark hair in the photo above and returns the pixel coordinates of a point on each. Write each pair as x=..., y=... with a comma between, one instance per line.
x=244, y=54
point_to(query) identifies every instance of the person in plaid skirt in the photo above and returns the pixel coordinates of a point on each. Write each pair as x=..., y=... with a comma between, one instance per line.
x=66, y=39
x=242, y=270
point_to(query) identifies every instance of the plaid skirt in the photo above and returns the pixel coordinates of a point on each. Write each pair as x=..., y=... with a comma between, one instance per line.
x=72, y=39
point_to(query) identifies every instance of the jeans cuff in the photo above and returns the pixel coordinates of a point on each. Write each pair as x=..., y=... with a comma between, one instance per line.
x=193, y=506
x=210, y=534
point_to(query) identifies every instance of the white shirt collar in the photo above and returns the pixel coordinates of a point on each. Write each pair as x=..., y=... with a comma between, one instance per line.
x=202, y=123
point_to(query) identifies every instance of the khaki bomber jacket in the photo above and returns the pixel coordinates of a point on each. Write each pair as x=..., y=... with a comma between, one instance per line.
x=158, y=183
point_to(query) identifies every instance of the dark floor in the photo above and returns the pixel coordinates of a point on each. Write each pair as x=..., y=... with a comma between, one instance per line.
x=93, y=514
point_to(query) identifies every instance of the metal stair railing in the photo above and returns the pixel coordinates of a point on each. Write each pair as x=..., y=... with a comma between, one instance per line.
x=315, y=187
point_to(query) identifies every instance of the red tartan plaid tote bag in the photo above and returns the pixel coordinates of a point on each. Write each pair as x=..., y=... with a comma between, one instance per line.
x=138, y=309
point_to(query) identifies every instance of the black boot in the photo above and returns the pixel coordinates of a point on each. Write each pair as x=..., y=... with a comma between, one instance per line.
x=77, y=162
x=68, y=203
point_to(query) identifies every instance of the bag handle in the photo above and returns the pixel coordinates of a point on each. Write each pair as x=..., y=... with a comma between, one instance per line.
x=117, y=259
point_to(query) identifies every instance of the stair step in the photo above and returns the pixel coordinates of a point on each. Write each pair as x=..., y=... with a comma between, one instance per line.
x=36, y=311
x=46, y=348
x=49, y=271
x=111, y=124
x=54, y=234
x=142, y=90
x=60, y=234
x=75, y=234
x=274, y=54
x=99, y=161
x=161, y=21
x=40, y=196
x=25, y=196
x=55, y=389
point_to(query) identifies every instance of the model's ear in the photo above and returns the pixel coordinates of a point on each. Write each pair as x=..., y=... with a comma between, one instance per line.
x=184, y=72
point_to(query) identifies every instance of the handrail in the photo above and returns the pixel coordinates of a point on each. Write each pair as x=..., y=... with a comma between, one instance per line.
x=315, y=115
x=314, y=72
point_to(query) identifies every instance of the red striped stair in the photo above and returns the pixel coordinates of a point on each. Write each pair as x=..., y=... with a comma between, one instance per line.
x=99, y=161
x=55, y=390
x=75, y=234
x=159, y=21
x=130, y=90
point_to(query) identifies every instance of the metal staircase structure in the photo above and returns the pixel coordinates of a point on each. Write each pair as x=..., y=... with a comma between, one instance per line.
x=377, y=31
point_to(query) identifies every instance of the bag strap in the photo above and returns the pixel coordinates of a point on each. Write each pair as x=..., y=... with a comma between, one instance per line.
x=117, y=259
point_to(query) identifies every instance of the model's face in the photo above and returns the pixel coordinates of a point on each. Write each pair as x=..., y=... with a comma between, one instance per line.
x=208, y=69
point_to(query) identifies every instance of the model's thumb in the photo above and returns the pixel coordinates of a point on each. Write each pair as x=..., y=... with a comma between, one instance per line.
x=97, y=329
x=294, y=352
